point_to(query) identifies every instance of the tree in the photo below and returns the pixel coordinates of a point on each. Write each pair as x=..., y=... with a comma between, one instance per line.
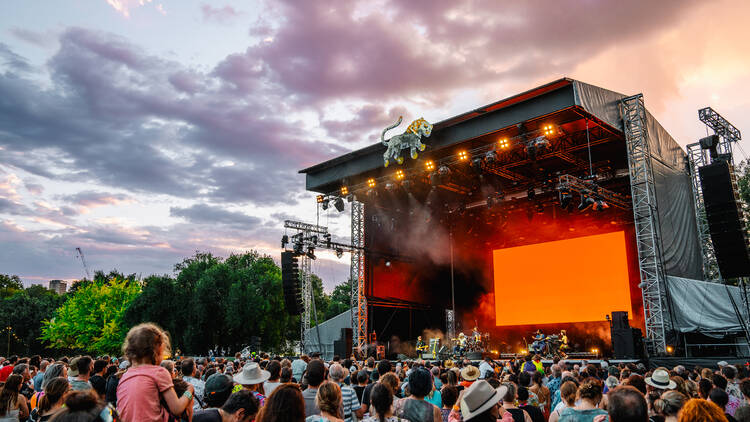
x=340, y=299
x=24, y=312
x=91, y=319
x=9, y=284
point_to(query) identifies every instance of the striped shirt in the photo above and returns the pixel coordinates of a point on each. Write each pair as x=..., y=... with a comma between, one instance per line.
x=350, y=401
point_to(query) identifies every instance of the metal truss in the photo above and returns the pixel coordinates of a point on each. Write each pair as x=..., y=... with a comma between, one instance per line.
x=721, y=127
x=357, y=269
x=697, y=159
x=307, y=292
x=633, y=113
x=588, y=187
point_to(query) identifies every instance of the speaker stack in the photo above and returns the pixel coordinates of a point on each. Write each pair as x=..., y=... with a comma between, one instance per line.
x=725, y=220
x=626, y=341
x=291, y=283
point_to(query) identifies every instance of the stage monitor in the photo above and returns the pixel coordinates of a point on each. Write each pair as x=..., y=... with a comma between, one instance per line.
x=574, y=280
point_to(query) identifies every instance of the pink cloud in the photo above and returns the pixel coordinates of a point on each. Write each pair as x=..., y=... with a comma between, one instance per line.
x=222, y=14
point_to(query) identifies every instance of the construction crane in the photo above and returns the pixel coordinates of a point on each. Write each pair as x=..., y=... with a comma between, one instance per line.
x=79, y=254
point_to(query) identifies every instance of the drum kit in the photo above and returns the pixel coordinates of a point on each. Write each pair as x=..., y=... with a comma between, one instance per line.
x=549, y=346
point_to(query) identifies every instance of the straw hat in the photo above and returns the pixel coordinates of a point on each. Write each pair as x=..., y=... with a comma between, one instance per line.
x=470, y=373
x=480, y=397
x=251, y=374
x=448, y=363
x=660, y=379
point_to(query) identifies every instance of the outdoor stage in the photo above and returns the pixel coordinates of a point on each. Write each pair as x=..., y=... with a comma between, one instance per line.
x=522, y=215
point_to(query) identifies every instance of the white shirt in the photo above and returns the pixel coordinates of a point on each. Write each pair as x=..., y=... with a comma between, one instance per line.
x=484, y=368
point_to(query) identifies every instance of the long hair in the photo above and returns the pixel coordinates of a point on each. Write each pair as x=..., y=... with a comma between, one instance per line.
x=381, y=398
x=9, y=393
x=328, y=398
x=699, y=410
x=142, y=343
x=53, y=392
x=53, y=371
x=285, y=404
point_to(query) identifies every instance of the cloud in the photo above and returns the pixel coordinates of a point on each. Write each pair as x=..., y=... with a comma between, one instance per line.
x=39, y=39
x=207, y=214
x=13, y=61
x=124, y=7
x=219, y=14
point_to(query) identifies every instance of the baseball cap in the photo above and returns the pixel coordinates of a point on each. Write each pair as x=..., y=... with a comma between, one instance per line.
x=73, y=369
x=722, y=364
x=218, y=383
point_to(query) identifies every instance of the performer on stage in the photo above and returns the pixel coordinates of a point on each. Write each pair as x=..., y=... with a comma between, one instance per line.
x=538, y=345
x=421, y=347
x=563, y=343
x=476, y=334
x=460, y=344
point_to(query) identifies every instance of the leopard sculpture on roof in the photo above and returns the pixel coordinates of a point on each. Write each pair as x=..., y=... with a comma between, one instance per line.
x=411, y=139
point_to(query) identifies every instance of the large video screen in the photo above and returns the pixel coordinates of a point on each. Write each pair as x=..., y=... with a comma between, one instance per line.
x=573, y=280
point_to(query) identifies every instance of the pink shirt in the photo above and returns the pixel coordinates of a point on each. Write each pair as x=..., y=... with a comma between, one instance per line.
x=139, y=391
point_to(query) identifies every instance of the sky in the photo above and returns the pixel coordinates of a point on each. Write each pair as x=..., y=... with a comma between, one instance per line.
x=142, y=131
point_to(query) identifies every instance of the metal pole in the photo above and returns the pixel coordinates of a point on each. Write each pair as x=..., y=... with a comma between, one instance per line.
x=8, y=354
x=453, y=294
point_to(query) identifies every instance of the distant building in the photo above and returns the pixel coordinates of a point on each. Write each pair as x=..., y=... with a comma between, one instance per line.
x=59, y=286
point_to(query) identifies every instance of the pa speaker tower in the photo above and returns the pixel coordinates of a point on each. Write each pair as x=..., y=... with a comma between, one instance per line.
x=725, y=220
x=291, y=283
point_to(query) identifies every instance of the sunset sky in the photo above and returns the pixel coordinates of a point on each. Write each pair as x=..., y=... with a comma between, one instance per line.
x=142, y=131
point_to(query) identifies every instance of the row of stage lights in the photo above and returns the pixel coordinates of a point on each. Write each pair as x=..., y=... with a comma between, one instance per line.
x=504, y=143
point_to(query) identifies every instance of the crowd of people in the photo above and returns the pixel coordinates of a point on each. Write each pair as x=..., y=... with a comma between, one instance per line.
x=144, y=384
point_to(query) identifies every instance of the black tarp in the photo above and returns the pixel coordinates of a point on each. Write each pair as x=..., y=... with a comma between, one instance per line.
x=679, y=236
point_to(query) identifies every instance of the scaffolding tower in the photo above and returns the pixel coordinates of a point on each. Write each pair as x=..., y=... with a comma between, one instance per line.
x=633, y=114
x=357, y=269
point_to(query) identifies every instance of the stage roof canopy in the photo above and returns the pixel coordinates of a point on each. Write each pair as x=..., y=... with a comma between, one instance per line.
x=566, y=101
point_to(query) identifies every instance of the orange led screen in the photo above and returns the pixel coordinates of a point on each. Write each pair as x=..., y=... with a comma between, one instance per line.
x=573, y=280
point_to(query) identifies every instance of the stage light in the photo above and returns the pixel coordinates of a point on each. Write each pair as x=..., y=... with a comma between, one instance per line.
x=523, y=351
x=549, y=130
x=429, y=165
x=504, y=143
x=406, y=184
x=310, y=252
x=350, y=198
x=339, y=252
x=586, y=201
x=390, y=187
x=530, y=193
x=284, y=241
x=344, y=191
x=399, y=175
x=490, y=157
x=476, y=164
x=463, y=155
x=600, y=205
x=670, y=349
x=324, y=204
x=339, y=204
x=565, y=199
x=320, y=198
x=371, y=183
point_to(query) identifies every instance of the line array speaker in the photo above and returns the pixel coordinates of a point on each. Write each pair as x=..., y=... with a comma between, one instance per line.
x=291, y=283
x=725, y=220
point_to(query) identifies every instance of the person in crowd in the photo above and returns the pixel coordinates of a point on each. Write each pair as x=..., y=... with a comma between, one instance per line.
x=435, y=371
x=52, y=401
x=381, y=399
x=590, y=394
x=485, y=368
x=383, y=368
x=218, y=388
x=555, y=380
x=449, y=394
x=700, y=410
x=541, y=391
x=328, y=399
x=669, y=405
x=627, y=404
x=40, y=375
x=469, y=374
x=638, y=382
x=350, y=403
x=274, y=370
x=84, y=406
x=114, y=380
x=733, y=403
x=252, y=378
x=534, y=412
x=721, y=398
x=169, y=366
x=188, y=370
x=8, y=368
x=509, y=403
x=81, y=372
x=568, y=393
x=145, y=382
x=733, y=384
x=481, y=403
x=286, y=404
x=97, y=380
x=241, y=406
x=743, y=412
x=414, y=408
x=286, y=375
x=316, y=372
x=704, y=387
x=27, y=389
x=298, y=368
x=13, y=405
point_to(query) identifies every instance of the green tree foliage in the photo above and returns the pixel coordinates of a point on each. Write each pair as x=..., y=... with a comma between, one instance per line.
x=9, y=284
x=24, y=311
x=214, y=302
x=91, y=319
x=743, y=181
x=340, y=299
